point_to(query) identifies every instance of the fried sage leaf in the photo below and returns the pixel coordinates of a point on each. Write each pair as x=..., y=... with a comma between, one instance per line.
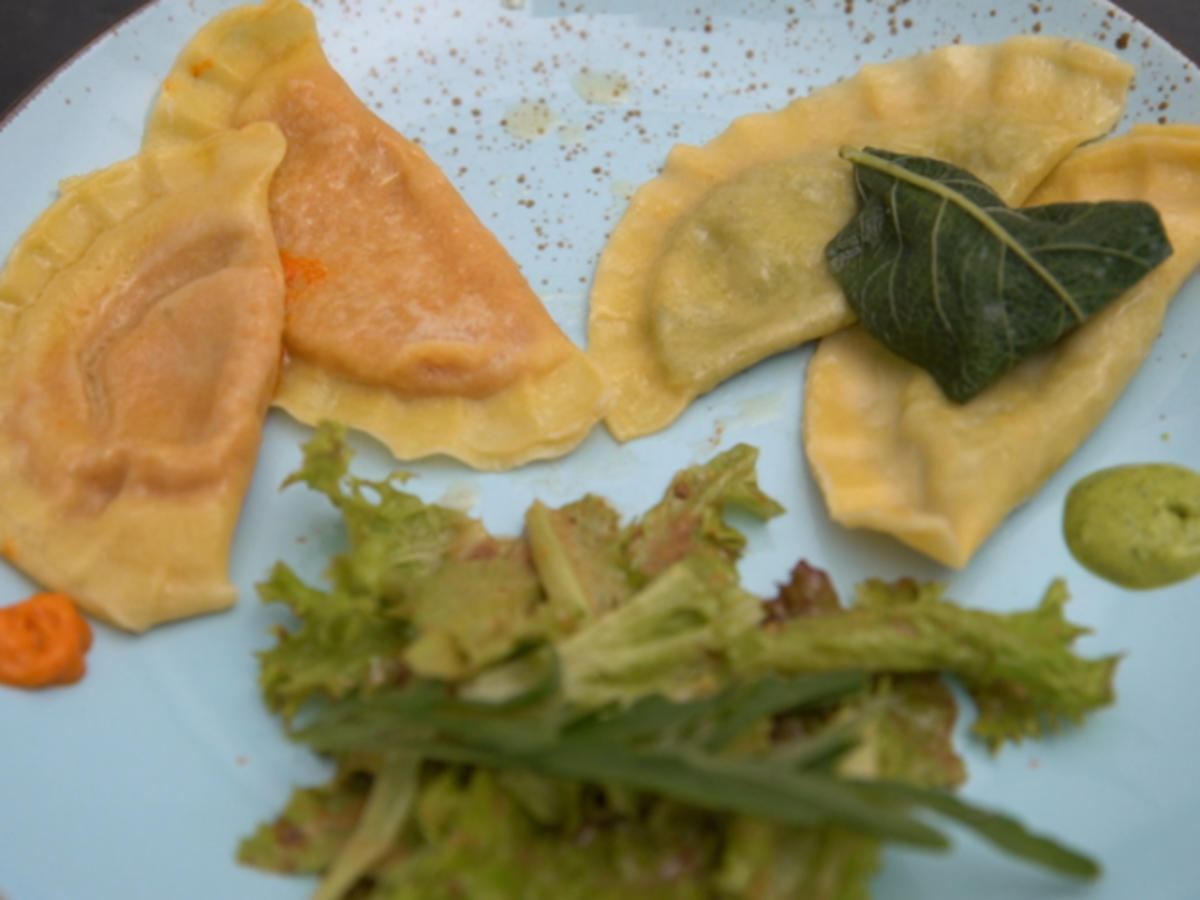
x=946, y=275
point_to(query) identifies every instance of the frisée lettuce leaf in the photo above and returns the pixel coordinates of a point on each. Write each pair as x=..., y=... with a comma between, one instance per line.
x=598, y=709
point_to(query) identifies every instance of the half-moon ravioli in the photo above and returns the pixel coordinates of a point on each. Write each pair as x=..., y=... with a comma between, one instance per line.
x=140, y=325
x=406, y=317
x=889, y=450
x=719, y=261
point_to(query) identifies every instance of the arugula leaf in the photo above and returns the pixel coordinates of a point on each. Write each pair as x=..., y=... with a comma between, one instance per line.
x=944, y=274
x=612, y=748
x=714, y=721
x=1002, y=830
x=670, y=750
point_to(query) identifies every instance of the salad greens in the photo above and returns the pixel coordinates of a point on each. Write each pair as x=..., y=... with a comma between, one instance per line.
x=943, y=273
x=594, y=709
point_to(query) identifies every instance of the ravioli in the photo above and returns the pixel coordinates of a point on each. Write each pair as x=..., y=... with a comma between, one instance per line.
x=718, y=262
x=406, y=317
x=141, y=318
x=891, y=453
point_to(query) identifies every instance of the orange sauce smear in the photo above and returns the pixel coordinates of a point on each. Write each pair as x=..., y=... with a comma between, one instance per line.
x=300, y=272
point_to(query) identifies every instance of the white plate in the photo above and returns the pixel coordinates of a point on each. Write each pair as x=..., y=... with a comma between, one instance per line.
x=139, y=782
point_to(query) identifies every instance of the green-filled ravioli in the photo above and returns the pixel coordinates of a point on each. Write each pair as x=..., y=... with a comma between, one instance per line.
x=718, y=263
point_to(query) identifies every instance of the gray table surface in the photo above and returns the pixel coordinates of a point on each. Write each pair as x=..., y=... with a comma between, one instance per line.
x=37, y=36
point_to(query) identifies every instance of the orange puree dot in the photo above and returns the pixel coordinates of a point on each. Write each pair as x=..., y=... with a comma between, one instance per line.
x=201, y=67
x=43, y=641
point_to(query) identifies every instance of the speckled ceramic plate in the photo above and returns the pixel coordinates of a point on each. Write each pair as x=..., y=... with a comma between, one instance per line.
x=139, y=782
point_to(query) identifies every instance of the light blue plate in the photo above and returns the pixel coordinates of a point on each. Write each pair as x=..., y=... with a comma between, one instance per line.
x=139, y=782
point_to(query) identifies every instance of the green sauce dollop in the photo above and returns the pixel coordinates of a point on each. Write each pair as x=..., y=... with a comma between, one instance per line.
x=1136, y=525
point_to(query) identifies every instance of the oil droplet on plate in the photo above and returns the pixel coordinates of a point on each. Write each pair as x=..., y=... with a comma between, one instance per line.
x=530, y=120
x=572, y=133
x=610, y=88
x=623, y=190
x=761, y=409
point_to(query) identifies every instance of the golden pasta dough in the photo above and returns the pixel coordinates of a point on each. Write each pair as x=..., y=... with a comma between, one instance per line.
x=141, y=318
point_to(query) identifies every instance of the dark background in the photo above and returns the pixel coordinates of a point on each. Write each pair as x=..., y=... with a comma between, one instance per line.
x=37, y=36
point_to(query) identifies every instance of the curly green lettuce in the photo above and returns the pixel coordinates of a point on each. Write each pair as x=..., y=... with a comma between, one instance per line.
x=599, y=709
x=1018, y=667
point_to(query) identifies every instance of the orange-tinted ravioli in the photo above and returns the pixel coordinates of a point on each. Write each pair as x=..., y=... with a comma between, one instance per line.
x=421, y=328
